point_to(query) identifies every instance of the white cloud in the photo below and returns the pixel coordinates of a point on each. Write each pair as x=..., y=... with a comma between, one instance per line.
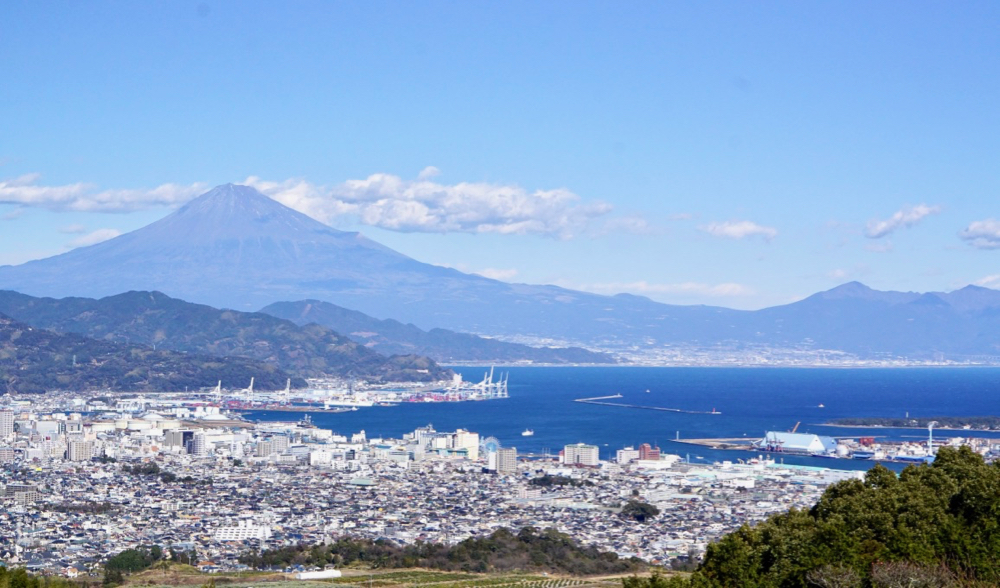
x=904, y=218
x=739, y=230
x=94, y=237
x=380, y=200
x=421, y=205
x=25, y=191
x=428, y=172
x=989, y=281
x=12, y=214
x=680, y=216
x=984, y=234
x=73, y=229
x=724, y=290
x=498, y=274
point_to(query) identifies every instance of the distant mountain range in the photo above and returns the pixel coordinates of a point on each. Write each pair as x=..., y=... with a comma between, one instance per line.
x=34, y=360
x=854, y=318
x=156, y=320
x=234, y=247
x=393, y=337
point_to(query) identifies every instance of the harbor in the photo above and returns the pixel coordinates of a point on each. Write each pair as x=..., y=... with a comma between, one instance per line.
x=864, y=448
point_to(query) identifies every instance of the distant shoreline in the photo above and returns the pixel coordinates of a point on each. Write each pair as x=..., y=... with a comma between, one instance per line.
x=503, y=364
x=917, y=428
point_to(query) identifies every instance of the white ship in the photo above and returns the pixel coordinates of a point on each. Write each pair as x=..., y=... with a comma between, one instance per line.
x=527, y=433
x=348, y=402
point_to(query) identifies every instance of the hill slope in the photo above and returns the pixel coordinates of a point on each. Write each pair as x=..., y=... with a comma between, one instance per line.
x=154, y=319
x=393, y=337
x=34, y=360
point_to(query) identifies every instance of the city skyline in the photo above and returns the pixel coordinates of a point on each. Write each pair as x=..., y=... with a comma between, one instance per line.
x=739, y=156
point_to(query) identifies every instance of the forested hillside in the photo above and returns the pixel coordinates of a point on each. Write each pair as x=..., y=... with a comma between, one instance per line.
x=933, y=525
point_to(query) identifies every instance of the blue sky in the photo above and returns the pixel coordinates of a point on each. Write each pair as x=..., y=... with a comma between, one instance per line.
x=736, y=154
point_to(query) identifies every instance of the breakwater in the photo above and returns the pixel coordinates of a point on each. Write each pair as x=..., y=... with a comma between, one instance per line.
x=603, y=401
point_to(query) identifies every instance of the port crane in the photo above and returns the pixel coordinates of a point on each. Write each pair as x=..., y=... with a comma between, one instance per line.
x=248, y=391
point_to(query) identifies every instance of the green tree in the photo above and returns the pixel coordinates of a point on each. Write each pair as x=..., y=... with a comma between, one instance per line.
x=639, y=511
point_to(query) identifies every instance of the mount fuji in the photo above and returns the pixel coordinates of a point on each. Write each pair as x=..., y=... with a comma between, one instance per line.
x=234, y=247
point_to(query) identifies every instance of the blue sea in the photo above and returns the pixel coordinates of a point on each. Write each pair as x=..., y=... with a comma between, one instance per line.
x=750, y=400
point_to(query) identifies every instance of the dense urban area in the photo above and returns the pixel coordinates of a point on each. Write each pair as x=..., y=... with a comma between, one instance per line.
x=84, y=478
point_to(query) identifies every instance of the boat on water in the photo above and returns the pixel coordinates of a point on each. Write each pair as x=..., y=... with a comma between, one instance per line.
x=347, y=402
x=527, y=433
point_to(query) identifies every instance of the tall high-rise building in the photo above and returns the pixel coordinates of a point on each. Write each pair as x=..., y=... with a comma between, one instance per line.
x=6, y=423
x=264, y=448
x=507, y=460
x=647, y=452
x=581, y=454
x=79, y=450
x=280, y=443
x=199, y=446
x=177, y=437
x=462, y=439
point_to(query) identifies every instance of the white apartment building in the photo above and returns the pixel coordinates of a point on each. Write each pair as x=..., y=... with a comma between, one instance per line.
x=581, y=454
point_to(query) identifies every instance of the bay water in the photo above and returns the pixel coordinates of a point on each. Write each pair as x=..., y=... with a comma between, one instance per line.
x=750, y=400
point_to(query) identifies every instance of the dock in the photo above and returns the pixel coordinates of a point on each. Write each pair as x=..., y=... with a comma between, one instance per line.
x=740, y=443
x=601, y=401
x=302, y=409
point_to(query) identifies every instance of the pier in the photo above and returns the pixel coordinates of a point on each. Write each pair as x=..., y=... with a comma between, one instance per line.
x=289, y=408
x=739, y=443
x=601, y=401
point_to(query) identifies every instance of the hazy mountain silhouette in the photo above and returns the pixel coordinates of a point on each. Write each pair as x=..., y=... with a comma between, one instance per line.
x=234, y=247
x=393, y=337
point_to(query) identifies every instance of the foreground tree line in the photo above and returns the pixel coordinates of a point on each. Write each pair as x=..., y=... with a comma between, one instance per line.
x=142, y=558
x=20, y=578
x=933, y=525
x=529, y=550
